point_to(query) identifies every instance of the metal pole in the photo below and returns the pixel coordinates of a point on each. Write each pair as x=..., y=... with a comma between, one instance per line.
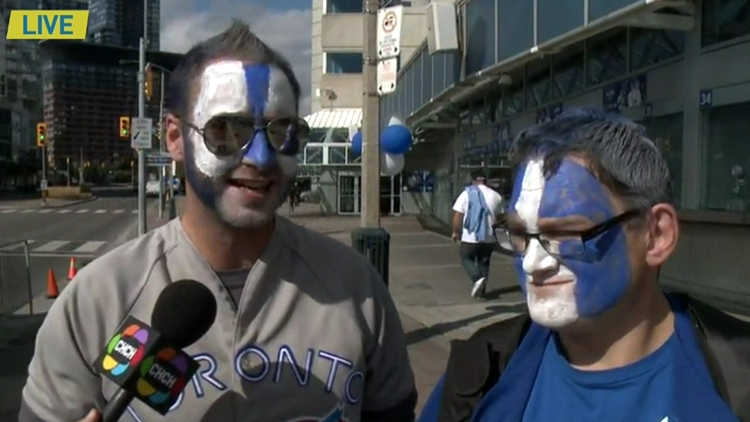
x=142, y=152
x=67, y=163
x=44, y=173
x=370, y=121
x=162, y=169
x=80, y=169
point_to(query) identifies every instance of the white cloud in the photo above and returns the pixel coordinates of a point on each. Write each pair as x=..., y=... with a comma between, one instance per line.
x=186, y=22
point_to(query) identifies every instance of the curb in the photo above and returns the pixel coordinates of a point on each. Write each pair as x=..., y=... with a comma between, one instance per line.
x=70, y=204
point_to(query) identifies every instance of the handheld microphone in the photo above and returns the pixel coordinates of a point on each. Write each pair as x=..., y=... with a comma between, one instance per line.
x=148, y=362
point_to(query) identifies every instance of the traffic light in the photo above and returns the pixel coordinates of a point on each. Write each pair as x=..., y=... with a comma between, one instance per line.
x=41, y=134
x=149, y=84
x=124, y=127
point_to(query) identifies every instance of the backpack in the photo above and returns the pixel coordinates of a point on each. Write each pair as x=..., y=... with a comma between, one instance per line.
x=475, y=365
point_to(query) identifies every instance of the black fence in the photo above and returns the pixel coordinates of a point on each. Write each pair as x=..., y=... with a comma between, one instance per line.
x=15, y=278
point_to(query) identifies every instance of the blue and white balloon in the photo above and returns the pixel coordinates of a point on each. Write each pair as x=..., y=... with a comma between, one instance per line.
x=391, y=164
x=357, y=144
x=395, y=139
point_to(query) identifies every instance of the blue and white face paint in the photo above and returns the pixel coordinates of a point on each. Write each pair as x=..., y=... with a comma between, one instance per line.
x=257, y=91
x=599, y=277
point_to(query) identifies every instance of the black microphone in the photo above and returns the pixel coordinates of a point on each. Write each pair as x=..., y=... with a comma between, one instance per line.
x=148, y=362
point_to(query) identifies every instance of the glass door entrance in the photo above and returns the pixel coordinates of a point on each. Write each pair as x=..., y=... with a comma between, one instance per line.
x=349, y=196
x=390, y=195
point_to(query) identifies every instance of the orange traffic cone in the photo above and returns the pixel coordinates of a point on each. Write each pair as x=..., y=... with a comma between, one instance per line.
x=52, y=290
x=72, y=270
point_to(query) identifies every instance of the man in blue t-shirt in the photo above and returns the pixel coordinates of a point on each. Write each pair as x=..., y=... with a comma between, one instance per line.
x=590, y=224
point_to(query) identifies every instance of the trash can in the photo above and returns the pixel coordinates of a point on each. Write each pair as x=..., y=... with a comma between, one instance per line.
x=374, y=244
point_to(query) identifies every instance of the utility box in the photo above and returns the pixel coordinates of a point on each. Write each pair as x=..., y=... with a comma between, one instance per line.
x=374, y=243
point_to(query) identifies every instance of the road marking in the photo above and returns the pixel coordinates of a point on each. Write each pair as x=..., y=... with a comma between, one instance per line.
x=63, y=211
x=8, y=211
x=89, y=247
x=82, y=211
x=51, y=246
x=100, y=211
x=119, y=211
x=134, y=212
x=45, y=211
x=27, y=211
x=51, y=255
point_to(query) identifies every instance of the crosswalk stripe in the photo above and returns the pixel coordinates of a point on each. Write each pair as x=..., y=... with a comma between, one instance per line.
x=89, y=247
x=27, y=211
x=100, y=211
x=7, y=211
x=134, y=212
x=45, y=211
x=63, y=211
x=82, y=211
x=51, y=246
x=119, y=211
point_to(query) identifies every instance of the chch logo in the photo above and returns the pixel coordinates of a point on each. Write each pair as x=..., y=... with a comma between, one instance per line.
x=125, y=350
x=47, y=25
x=335, y=415
x=162, y=376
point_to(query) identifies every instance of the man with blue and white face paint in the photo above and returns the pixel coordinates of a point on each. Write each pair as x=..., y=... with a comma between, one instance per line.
x=590, y=224
x=305, y=329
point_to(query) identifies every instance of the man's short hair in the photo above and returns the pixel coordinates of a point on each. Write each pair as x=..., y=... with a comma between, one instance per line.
x=616, y=149
x=478, y=174
x=237, y=42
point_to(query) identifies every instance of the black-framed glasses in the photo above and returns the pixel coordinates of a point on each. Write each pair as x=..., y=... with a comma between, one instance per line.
x=563, y=243
x=227, y=135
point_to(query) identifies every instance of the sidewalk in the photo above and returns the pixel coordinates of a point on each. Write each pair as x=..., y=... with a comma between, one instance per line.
x=430, y=288
x=37, y=203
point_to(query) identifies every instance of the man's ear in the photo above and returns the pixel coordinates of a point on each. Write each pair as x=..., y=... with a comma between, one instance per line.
x=174, y=139
x=664, y=230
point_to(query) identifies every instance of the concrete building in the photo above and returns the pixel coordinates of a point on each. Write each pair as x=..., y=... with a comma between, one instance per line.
x=680, y=68
x=20, y=79
x=327, y=165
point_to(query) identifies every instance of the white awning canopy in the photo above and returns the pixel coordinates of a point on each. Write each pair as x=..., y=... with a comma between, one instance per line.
x=334, y=118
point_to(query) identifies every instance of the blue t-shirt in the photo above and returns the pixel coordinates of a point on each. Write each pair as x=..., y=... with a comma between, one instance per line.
x=636, y=392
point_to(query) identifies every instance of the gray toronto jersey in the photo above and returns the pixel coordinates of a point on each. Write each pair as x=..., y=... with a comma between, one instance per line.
x=314, y=336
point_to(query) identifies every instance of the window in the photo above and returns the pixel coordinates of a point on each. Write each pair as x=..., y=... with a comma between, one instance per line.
x=343, y=6
x=728, y=156
x=724, y=20
x=666, y=132
x=343, y=62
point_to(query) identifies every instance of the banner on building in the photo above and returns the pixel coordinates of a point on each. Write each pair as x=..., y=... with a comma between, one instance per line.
x=630, y=92
x=418, y=181
x=547, y=114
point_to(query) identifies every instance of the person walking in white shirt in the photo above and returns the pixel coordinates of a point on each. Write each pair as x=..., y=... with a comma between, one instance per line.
x=475, y=213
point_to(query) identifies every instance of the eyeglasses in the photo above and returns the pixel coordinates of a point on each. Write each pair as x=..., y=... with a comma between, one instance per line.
x=561, y=243
x=227, y=135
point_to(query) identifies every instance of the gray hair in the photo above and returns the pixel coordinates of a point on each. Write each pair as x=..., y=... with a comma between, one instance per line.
x=617, y=150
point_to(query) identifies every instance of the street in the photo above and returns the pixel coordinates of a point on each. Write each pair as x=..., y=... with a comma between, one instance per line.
x=61, y=231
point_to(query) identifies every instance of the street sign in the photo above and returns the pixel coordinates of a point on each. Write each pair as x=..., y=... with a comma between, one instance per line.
x=43, y=184
x=158, y=160
x=389, y=31
x=387, y=75
x=141, y=132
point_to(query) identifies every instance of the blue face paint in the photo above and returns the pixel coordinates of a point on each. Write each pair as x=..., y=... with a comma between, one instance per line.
x=603, y=269
x=259, y=152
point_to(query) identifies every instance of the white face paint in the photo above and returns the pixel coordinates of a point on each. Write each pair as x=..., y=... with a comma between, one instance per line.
x=224, y=91
x=550, y=306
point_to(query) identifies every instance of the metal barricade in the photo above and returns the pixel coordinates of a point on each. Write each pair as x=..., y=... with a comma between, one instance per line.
x=15, y=277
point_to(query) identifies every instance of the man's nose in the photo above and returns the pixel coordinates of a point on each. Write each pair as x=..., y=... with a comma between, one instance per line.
x=537, y=260
x=260, y=153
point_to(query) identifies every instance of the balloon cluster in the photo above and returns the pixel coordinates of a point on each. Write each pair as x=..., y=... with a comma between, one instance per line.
x=395, y=141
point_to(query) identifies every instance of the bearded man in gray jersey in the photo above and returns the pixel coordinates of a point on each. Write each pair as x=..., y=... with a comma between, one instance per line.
x=305, y=330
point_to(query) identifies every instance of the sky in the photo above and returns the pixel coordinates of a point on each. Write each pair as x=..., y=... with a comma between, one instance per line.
x=283, y=25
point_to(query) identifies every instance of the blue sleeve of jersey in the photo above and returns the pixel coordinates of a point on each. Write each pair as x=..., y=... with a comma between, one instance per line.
x=432, y=406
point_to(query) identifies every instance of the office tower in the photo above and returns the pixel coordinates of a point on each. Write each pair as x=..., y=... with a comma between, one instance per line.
x=120, y=22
